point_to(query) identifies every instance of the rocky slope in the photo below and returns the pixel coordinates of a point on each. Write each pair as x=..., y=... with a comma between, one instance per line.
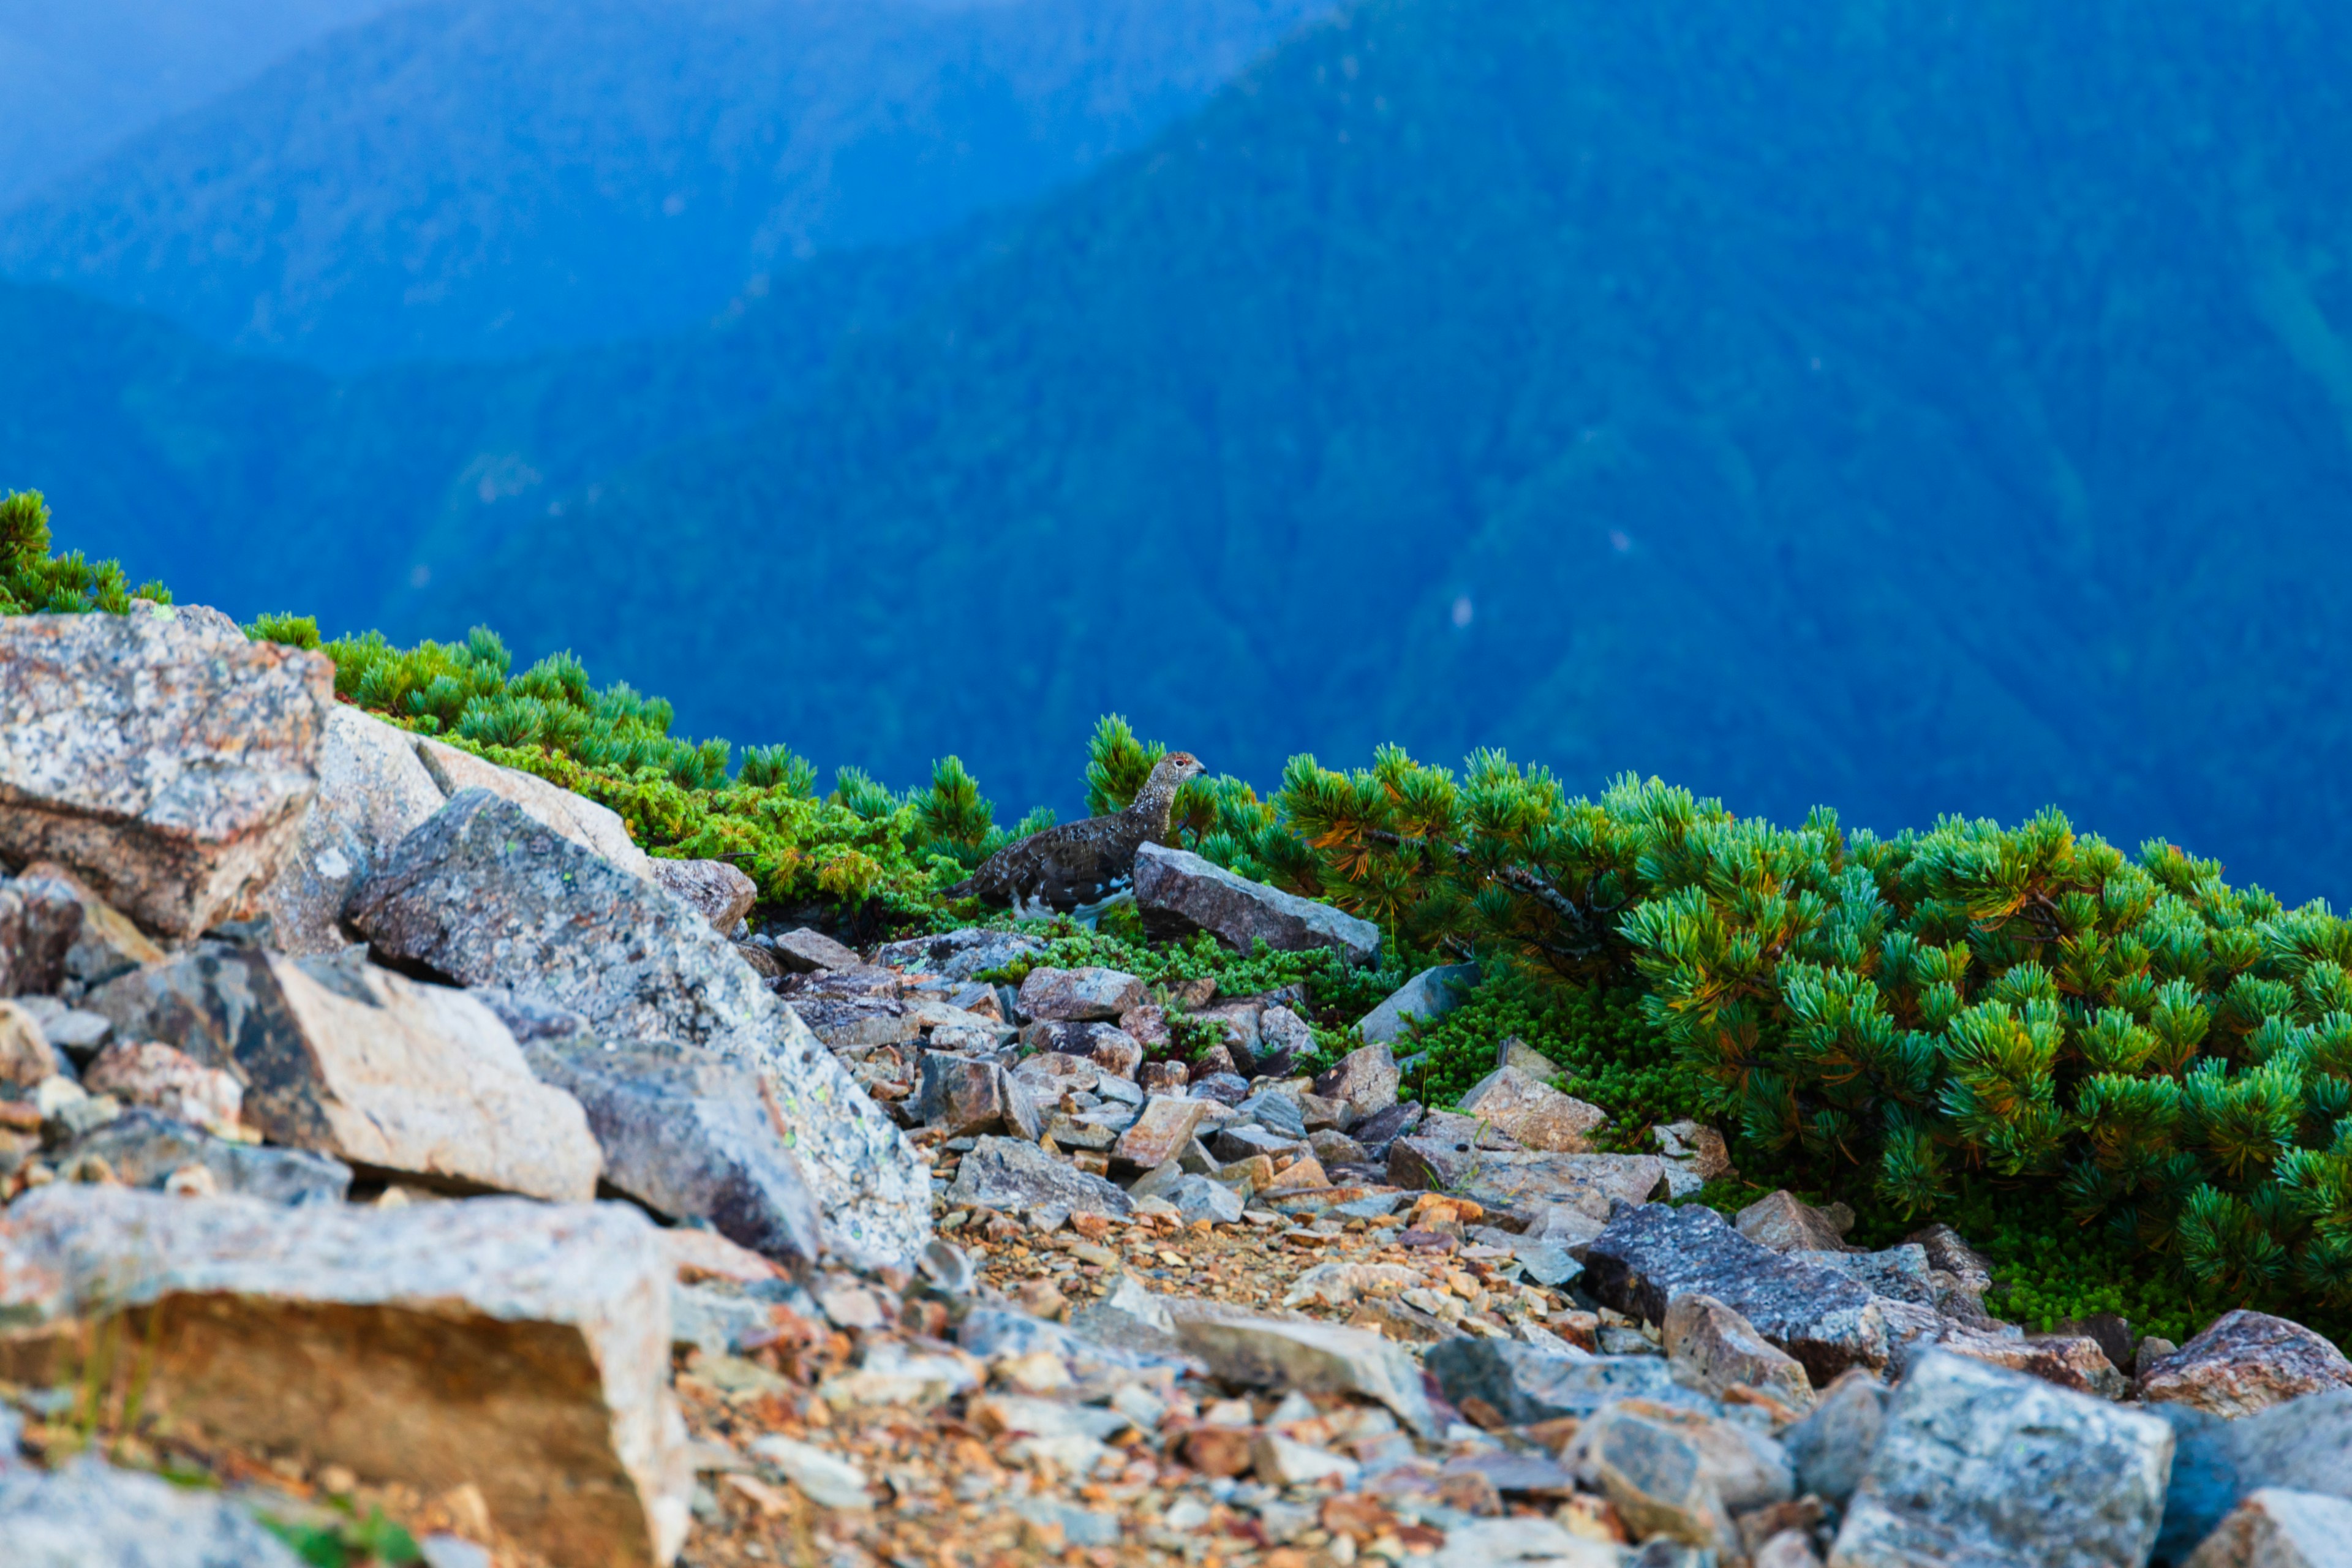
x=389, y=1142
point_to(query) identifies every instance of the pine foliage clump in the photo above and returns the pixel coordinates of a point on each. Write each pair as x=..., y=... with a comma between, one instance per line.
x=35, y=582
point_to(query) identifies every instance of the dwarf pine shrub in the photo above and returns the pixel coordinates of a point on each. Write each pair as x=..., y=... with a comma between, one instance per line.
x=33, y=582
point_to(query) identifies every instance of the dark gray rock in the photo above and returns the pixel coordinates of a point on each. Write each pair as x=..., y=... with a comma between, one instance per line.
x=1109, y=1048
x=1179, y=893
x=684, y=1132
x=1275, y=1111
x=486, y=895
x=1830, y=1448
x=142, y=1149
x=1006, y=1174
x=1244, y=1139
x=1647, y=1257
x=962, y=955
x=720, y=892
x=807, y=952
x=1980, y=1465
x=1427, y=996
x=1224, y=1088
x=1523, y=1182
x=1524, y=1385
x=39, y=919
x=1377, y=1131
x=1201, y=1197
x=965, y=1097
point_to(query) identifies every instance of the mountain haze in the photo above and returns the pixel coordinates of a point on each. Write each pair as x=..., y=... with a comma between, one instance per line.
x=471, y=178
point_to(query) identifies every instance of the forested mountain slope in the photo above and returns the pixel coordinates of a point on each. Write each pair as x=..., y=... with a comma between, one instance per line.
x=465, y=178
x=1912, y=409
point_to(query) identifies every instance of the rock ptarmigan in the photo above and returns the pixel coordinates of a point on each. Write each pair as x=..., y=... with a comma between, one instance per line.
x=1079, y=865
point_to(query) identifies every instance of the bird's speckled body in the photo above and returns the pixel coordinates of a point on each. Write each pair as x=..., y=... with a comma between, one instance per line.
x=1078, y=864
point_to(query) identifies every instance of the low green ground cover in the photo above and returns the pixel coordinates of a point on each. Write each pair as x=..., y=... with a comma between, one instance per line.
x=2126, y=1079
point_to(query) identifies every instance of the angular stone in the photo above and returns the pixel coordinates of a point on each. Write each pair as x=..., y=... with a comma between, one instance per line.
x=2304, y=1444
x=106, y=942
x=1108, y=1047
x=684, y=1132
x=1515, y=1052
x=1236, y=1024
x=1088, y=994
x=1161, y=1131
x=1015, y=1177
x=143, y=1148
x=1719, y=1350
x=1650, y=1256
x=1276, y=1110
x=1534, y=1112
x=374, y=791
x=1524, y=1384
x=87, y=1514
x=167, y=1082
x=521, y=1348
x=806, y=951
x=1284, y=1039
x=1831, y=1447
x=1981, y=1465
x=1224, y=1088
x=1948, y=1253
x=1678, y=1472
x=2245, y=1361
x=1377, y=1131
x=1311, y=1358
x=1179, y=893
x=1789, y=1549
x=2274, y=1528
x=371, y=1067
x=336, y=1057
x=1304, y=1175
x=1427, y=996
x=717, y=891
x=1365, y=1079
x=1164, y=1078
x=484, y=894
x=76, y=1032
x=964, y=1096
x=1248, y=1140
x=827, y=1480
x=1337, y=1149
x=1280, y=1461
x=1524, y=1183
x=963, y=954
x=39, y=920
x=1090, y=1131
x=1786, y=1222
x=595, y=828
x=27, y=1059
x=167, y=767
x=1200, y=1198
x=2070, y=1360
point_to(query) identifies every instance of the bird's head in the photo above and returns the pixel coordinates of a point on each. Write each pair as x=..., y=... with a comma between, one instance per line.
x=1158, y=795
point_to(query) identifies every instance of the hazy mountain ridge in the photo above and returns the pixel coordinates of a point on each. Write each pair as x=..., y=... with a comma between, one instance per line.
x=471, y=178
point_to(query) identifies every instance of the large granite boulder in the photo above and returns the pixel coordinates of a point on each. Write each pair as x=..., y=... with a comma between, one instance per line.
x=684, y=1131
x=373, y=793
x=166, y=764
x=1179, y=893
x=1648, y=1257
x=1980, y=1465
x=1427, y=998
x=486, y=895
x=344, y=1059
x=522, y=1348
x=2245, y=1361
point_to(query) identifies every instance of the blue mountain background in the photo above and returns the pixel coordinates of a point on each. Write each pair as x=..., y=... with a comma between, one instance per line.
x=1898, y=406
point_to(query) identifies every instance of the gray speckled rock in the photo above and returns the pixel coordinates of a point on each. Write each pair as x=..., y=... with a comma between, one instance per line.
x=684, y=1132
x=1313, y=1358
x=960, y=955
x=521, y=1346
x=142, y=1149
x=373, y=793
x=167, y=766
x=1525, y=1383
x=1090, y=994
x=720, y=893
x=1428, y=996
x=486, y=895
x=1179, y=893
x=595, y=828
x=91, y=1515
x=2274, y=1528
x=1533, y=1113
x=1648, y=1257
x=38, y=922
x=366, y=1065
x=1831, y=1447
x=1522, y=1181
x=1978, y=1465
x=2245, y=1361
x=1007, y=1174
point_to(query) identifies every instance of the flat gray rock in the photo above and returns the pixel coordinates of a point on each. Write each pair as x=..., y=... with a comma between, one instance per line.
x=1647, y=1258
x=1428, y=996
x=1978, y=1465
x=1524, y=1385
x=1012, y=1176
x=91, y=1515
x=485, y=894
x=143, y=1149
x=1179, y=893
x=960, y=955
